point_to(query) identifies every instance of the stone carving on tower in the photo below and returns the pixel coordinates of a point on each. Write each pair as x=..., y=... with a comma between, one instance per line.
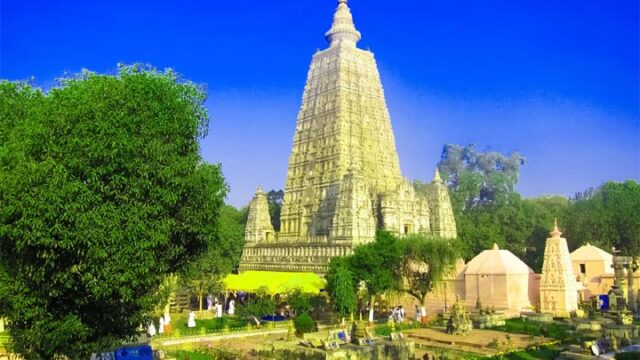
x=259, y=229
x=344, y=180
x=443, y=223
x=558, y=287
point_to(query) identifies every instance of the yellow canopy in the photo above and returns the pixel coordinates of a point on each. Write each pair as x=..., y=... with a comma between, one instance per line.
x=275, y=282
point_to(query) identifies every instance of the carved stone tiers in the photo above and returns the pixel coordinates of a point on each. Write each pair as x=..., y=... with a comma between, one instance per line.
x=558, y=287
x=299, y=258
x=344, y=180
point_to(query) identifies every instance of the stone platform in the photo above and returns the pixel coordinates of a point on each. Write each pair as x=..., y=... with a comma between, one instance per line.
x=300, y=257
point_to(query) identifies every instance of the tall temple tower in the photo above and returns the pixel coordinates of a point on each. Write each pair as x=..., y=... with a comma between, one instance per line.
x=558, y=287
x=344, y=180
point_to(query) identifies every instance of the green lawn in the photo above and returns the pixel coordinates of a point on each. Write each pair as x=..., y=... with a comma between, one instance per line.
x=202, y=355
x=544, y=353
x=553, y=330
x=179, y=322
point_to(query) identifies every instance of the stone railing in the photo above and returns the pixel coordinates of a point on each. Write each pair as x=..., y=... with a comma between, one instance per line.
x=179, y=339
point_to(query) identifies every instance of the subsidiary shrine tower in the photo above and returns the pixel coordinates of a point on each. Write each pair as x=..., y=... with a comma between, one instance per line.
x=343, y=180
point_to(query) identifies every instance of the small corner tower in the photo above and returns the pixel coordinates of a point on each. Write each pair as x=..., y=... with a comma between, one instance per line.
x=558, y=290
x=443, y=223
x=259, y=228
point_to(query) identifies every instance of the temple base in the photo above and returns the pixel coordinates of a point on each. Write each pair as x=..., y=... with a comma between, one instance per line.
x=291, y=257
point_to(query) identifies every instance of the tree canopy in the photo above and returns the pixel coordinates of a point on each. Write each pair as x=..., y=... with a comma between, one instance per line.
x=341, y=287
x=205, y=275
x=478, y=177
x=425, y=262
x=102, y=193
x=488, y=209
x=274, y=199
x=608, y=217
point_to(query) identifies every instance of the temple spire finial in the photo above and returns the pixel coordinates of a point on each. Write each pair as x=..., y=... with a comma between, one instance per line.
x=555, y=232
x=342, y=30
x=436, y=175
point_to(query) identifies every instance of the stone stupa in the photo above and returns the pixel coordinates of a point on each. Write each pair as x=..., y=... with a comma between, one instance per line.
x=558, y=286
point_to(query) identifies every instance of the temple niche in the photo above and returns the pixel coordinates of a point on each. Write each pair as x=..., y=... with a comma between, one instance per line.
x=343, y=181
x=558, y=286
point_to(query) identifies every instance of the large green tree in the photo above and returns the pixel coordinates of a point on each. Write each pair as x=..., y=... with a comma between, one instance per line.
x=607, y=217
x=206, y=274
x=425, y=262
x=478, y=177
x=377, y=265
x=487, y=208
x=103, y=192
x=341, y=286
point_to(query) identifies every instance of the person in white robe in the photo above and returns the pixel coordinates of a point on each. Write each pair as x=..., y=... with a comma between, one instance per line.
x=161, y=325
x=191, y=322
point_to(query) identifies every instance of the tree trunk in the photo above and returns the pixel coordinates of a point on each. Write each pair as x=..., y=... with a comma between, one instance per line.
x=200, y=298
x=423, y=308
x=371, y=305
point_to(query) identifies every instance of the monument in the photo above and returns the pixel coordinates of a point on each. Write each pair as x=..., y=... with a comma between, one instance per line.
x=343, y=180
x=558, y=287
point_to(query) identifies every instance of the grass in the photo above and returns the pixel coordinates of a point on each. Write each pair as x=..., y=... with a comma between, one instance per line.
x=203, y=355
x=543, y=353
x=553, y=330
x=385, y=330
x=231, y=322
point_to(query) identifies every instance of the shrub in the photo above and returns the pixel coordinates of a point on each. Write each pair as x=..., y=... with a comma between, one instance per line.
x=304, y=323
x=256, y=307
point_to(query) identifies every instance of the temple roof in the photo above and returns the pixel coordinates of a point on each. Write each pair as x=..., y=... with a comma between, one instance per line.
x=589, y=252
x=497, y=262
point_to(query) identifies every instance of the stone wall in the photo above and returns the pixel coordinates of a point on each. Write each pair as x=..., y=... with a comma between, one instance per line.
x=282, y=257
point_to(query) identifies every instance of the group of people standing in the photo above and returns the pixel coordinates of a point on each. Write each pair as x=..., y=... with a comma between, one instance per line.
x=164, y=325
x=213, y=305
x=397, y=314
x=218, y=309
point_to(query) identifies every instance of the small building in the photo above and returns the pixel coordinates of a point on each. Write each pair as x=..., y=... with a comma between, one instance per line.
x=590, y=264
x=500, y=279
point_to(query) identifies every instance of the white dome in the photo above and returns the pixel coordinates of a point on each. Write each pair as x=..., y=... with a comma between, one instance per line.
x=589, y=252
x=496, y=261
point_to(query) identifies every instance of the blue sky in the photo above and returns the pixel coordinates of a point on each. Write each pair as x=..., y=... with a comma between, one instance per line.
x=556, y=80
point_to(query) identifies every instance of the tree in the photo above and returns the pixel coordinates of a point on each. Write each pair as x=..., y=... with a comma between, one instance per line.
x=377, y=265
x=257, y=305
x=487, y=208
x=607, y=218
x=206, y=274
x=274, y=199
x=476, y=177
x=426, y=261
x=103, y=193
x=341, y=287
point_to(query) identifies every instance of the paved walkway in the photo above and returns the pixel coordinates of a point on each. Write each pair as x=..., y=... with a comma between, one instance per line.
x=478, y=341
